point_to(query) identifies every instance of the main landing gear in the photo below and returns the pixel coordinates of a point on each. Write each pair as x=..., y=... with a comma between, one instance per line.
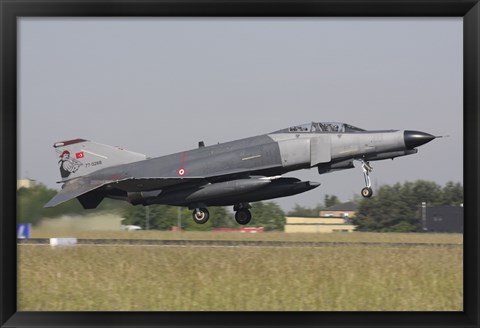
x=366, y=168
x=242, y=214
x=200, y=215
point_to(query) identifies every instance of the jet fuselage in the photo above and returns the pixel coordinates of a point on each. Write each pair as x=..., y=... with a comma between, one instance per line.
x=265, y=155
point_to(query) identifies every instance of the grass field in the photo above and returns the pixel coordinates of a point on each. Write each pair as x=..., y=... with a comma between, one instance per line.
x=151, y=278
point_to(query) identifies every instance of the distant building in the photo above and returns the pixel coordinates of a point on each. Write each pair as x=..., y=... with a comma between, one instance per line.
x=332, y=219
x=444, y=219
x=26, y=183
x=342, y=210
x=318, y=225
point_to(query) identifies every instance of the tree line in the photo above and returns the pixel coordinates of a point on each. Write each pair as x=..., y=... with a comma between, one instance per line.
x=397, y=208
x=163, y=217
x=394, y=208
x=30, y=202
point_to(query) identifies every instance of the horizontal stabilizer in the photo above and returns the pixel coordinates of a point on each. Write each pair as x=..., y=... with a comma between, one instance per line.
x=73, y=189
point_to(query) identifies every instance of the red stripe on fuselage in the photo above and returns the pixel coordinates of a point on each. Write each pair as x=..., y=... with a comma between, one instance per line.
x=183, y=159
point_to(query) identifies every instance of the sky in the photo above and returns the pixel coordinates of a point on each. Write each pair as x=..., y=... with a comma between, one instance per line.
x=159, y=85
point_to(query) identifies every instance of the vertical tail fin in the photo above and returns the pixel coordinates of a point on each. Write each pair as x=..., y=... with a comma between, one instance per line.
x=80, y=157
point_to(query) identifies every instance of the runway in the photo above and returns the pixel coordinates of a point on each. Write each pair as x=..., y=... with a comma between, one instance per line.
x=233, y=243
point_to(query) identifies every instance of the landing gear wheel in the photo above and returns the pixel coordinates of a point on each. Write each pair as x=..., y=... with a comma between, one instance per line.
x=243, y=216
x=366, y=168
x=367, y=192
x=200, y=215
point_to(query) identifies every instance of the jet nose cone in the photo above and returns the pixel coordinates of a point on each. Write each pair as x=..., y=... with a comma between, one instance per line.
x=416, y=138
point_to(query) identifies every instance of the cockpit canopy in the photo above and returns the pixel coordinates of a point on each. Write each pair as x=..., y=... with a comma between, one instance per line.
x=322, y=127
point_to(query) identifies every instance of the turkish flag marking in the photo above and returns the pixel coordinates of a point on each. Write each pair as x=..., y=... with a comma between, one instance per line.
x=79, y=155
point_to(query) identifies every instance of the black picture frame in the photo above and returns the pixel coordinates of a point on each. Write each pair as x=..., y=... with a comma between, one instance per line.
x=11, y=10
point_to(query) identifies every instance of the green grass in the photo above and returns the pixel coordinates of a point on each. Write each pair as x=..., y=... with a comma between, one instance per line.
x=151, y=278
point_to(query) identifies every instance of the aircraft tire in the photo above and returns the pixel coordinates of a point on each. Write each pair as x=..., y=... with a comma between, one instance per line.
x=200, y=215
x=367, y=192
x=243, y=216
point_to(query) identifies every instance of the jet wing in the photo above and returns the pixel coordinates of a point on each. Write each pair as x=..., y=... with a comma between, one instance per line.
x=267, y=170
x=147, y=184
x=83, y=185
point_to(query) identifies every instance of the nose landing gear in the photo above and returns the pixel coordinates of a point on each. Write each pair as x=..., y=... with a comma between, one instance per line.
x=367, y=192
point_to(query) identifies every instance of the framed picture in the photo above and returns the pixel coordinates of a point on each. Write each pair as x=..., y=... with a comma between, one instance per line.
x=293, y=21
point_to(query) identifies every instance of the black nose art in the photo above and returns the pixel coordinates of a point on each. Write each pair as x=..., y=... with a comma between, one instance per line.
x=416, y=138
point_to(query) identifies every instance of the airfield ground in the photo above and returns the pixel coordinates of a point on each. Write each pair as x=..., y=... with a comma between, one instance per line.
x=373, y=272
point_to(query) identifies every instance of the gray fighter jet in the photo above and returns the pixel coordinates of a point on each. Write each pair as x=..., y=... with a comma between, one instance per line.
x=227, y=174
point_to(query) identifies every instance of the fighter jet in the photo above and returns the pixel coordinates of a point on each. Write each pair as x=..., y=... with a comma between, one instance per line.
x=234, y=173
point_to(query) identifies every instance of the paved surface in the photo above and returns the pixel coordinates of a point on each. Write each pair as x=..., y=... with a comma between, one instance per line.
x=231, y=243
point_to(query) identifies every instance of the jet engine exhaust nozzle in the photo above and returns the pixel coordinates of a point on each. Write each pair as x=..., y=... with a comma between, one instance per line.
x=414, y=139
